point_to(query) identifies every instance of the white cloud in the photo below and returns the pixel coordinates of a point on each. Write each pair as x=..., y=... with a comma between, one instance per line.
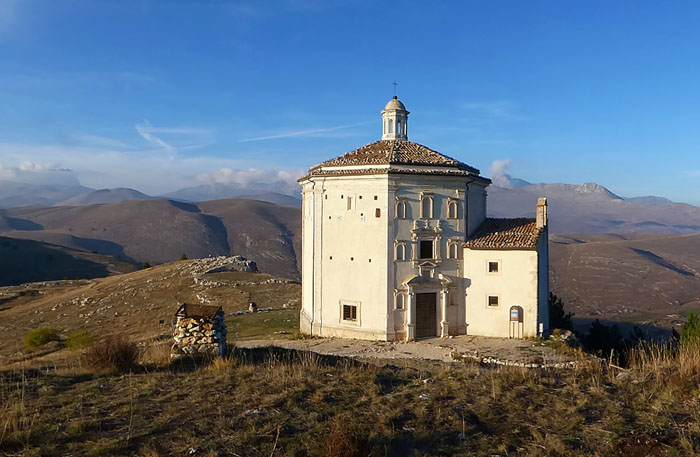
x=498, y=174
x=38, y=173
x=254, y=179
x=147, y=170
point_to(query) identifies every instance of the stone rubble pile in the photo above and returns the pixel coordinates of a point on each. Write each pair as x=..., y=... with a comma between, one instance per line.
x=199, y=330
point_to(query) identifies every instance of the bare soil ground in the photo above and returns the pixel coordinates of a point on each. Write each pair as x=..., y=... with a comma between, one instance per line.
x=444, y=350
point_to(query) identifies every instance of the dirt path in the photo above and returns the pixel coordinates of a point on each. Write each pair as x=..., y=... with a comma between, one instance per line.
x=446, y=350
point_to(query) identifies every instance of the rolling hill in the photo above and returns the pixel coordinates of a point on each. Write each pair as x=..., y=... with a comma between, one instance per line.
x=28, y=261
x=627, y=278
x=158, y=231
x=101, y=196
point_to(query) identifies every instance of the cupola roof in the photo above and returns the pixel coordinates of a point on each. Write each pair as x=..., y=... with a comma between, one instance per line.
x=396, y=104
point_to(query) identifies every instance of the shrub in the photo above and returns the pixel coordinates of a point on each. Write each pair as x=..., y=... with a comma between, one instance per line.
x=79, y=339
x=145, y=265
x=558, y=318
x=345, y=439
x=41, y=336
x=113, y=353
x=690, y=331
x=603, y=339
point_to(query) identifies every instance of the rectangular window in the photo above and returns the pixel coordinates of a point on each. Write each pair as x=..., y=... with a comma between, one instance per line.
x=377, y=212
x=350, y=313
x=493, y=301
x=426, y=249
x=349, y=203
x=493, y=267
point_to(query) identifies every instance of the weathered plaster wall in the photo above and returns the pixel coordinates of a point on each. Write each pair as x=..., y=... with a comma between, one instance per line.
x=516, y=284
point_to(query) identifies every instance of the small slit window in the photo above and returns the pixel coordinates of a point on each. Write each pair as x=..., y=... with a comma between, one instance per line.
x=494, y=301
x=350, y=313
x=399, y=301
x=349, y=204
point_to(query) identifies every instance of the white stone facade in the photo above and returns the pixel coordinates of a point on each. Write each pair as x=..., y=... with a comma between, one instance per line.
x=383, y=247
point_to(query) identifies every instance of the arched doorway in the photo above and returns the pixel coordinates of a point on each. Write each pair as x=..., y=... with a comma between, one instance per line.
x=516, y=322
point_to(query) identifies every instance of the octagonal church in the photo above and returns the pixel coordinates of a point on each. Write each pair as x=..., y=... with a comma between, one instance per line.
x=396, y=245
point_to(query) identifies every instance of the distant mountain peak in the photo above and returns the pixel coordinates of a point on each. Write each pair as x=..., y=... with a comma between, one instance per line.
x=593, y=188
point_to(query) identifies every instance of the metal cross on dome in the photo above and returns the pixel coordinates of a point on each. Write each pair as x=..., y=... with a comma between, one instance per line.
x=395, y=86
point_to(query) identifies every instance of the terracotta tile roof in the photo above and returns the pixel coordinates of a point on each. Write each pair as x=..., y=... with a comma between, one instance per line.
x=395, y=152
x=390, y=170
x=520, y=233
x=198, y=311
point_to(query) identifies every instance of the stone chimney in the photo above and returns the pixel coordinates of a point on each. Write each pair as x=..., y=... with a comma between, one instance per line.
x=542, y=212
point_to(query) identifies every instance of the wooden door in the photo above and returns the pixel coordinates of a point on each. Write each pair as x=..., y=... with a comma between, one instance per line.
x=426, y=315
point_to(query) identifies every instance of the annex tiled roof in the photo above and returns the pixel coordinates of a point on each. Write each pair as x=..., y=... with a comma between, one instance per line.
x=520, y=233
x=395, y=152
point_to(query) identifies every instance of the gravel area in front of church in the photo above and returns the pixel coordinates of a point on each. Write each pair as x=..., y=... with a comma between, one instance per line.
x=507, y=351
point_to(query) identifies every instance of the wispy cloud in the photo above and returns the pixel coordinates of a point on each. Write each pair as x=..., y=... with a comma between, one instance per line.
x=179, y=138
x=8, y=14
x=691, y=173
x=86, y=139
x=492, y=111
x=318, y=132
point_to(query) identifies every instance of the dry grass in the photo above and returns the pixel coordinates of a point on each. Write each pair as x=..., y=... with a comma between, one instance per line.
x=270, y=401
x=113, y=353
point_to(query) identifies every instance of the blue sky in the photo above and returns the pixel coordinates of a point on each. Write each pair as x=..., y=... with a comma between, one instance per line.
x=159, y=95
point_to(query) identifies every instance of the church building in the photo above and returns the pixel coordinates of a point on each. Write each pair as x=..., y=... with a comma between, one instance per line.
x=396, y=245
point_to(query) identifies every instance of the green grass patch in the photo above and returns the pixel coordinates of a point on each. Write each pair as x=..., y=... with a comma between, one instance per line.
x=280, y=324
x=79, y=339
x=41, y=336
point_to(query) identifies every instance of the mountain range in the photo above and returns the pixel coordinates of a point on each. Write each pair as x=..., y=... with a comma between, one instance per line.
x=157, y=230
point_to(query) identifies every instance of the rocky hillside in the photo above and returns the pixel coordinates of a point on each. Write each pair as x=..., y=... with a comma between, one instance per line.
x=140, y=304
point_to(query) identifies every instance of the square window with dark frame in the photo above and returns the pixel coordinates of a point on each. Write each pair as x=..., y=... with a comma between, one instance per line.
x=426, y=249
x=349, y=313
x=493, y=301
x=493, y=267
